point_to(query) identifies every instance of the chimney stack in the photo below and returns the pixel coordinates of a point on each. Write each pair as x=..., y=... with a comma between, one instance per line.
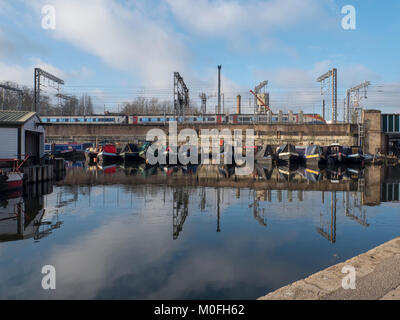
x=238, y=104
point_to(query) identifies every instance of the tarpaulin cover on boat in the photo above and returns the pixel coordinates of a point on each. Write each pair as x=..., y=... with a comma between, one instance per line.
x=109, y=148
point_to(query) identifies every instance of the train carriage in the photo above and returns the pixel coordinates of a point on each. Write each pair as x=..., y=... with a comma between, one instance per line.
x=103, y=119
x=189, y=119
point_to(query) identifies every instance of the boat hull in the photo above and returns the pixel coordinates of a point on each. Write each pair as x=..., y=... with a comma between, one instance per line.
x=355, y=158
x=109, y=157
x=14, y=181
x=288, y=158
x=131, y=157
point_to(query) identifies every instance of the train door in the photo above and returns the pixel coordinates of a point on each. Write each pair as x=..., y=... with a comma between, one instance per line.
x=134, y=120
x=219, y=119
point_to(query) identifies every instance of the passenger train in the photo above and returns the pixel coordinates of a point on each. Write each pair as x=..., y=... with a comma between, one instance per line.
x=164, y=119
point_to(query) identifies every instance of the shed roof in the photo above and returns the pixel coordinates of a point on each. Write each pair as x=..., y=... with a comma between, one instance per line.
x=12, y=117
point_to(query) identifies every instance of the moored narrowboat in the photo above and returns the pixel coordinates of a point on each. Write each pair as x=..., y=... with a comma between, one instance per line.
x=335, y=154
x=354, y=154
x=314, y=156
x=130, y=153
x=109, y=153
x=287, y=154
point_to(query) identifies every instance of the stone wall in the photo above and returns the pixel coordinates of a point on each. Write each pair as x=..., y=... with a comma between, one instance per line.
x=275, y=134
x=375, y=140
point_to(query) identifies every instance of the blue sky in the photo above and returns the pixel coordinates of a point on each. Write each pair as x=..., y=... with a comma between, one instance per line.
x=116, y=50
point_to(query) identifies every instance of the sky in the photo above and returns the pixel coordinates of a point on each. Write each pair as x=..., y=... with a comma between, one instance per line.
x=116, y=50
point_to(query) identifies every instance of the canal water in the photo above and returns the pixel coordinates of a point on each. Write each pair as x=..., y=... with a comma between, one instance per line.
x=189, y=233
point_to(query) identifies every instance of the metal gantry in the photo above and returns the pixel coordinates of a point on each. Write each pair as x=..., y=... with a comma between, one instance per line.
x=329, y=84
x=328, y=230
x=181, y=95
x=204, y=97
x=38, y=74
x=353, y=110
x=180, y=210
x=353, y=98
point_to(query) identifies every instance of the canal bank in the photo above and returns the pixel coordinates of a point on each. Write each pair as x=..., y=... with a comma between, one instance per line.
x=377, y=277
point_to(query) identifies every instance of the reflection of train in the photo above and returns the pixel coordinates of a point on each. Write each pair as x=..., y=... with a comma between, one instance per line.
x=164, y=119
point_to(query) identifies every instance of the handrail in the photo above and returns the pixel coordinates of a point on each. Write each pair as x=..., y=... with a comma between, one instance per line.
x=16, y=165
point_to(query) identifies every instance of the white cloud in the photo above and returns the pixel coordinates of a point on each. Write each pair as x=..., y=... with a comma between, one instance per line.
x=229, y=17
x=23, y=75
x=123, y=37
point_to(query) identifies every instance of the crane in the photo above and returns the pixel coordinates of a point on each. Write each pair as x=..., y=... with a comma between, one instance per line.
x=262, y=102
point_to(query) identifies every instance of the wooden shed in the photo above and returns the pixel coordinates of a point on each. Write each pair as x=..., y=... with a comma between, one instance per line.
x=21, y=134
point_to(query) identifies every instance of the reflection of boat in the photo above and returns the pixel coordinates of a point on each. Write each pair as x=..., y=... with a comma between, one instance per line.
x=266, y=155
x=287, y=154
x=286, y=173
x=354, y=173
x=226, y=170
x=189, y=169
x=91, y=154
x=312, y=175
x=181, y=155
x=264, y=171
x=335, y=174
x=109, y=169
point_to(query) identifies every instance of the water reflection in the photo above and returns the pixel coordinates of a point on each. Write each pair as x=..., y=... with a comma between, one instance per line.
x=269, y=184
x=133, y=232
x=22, y=217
